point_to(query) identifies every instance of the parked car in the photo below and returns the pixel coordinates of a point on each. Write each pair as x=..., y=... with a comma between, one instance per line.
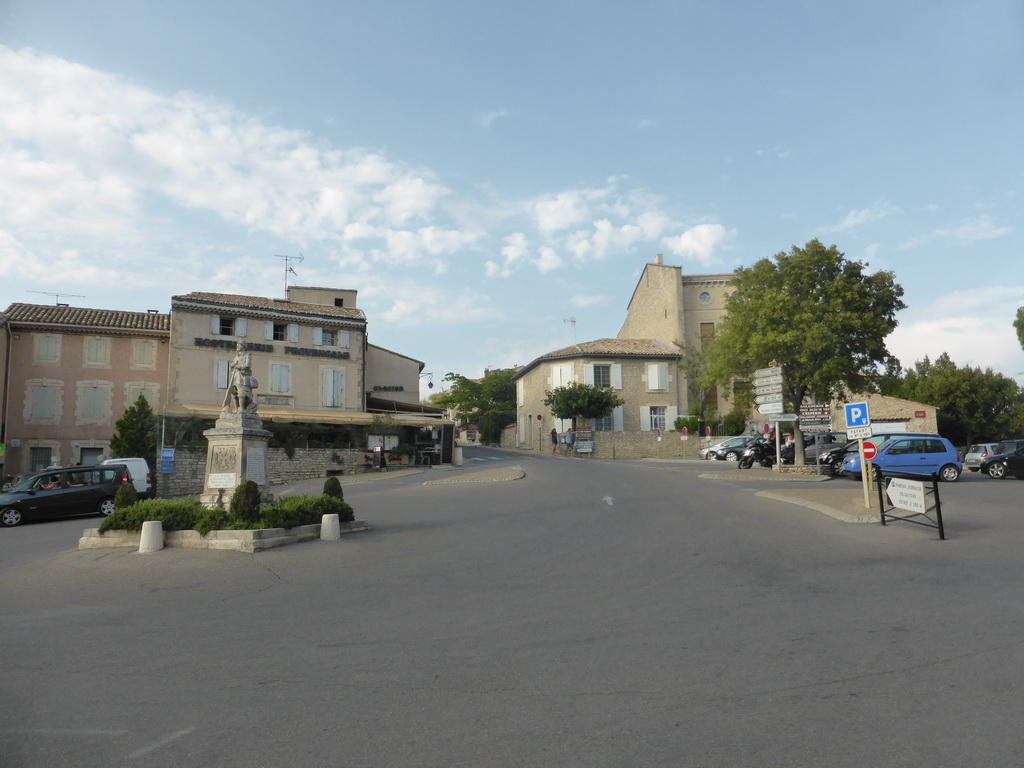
x=977, y=453
x=733, y=448
x=999, y=465
x=917, y=455
x=836, y=458
x=814, y=443
x=139, y=471
x=63, y=493
x=1009, y=446
x=736, y=443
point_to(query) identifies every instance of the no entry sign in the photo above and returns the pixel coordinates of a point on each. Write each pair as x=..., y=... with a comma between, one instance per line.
x=869, y=450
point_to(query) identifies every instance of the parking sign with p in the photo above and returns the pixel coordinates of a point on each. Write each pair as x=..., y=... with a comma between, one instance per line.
x=858, y=421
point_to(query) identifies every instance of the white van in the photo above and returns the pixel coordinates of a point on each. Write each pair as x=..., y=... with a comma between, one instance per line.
x=139, y=471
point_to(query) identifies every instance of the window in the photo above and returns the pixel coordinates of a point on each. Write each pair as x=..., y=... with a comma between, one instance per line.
x=133, y=389
x=657, y=376
x=604, y=424
x=44, y=401
x=143, y=353
x=97, y=350
x=227, y=326
x=327, y=338
x=332, y=387
x=603, y=376
x=707, y=333
x=658, y=417
x=93, y=401
x=280, y=377
x=343, y=339
x=339, y=302
x=39, y=458
x=47, y=348
x=278, y=331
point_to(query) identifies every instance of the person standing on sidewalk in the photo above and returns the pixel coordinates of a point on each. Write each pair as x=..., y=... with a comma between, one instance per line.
x=554, y=440
x=568, y=442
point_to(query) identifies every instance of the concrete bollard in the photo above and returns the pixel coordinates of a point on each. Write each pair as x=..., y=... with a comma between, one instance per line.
x=330, y=528
x=457, y=455
x=152, y=539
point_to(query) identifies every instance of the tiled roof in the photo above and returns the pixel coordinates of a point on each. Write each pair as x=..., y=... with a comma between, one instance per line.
x=606, y=348
x=81, y=317
x=203, y=300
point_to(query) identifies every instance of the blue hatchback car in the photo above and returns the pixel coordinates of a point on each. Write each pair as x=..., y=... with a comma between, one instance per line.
x=924, y=455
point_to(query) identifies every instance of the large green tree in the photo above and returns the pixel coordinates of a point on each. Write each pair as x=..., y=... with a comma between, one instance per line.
x=490, y=402
x=973, y=404
x=581, y=401
x=820, y=316
x=135, y=433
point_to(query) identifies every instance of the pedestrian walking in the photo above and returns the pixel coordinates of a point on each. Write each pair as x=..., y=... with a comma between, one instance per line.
x=568, y=442
x=554, y=440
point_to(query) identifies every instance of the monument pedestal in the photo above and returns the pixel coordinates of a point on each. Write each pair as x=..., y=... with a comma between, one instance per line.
x=237, y=451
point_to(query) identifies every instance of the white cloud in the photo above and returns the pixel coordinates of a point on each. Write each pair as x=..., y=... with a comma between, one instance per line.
x=588, y=300
x=547, y=259
x=863, y=216
x=967, y=231
x=699, y=242
x=487, y=119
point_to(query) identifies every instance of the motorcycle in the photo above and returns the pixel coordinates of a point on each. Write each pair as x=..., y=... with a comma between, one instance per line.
x=762, y=451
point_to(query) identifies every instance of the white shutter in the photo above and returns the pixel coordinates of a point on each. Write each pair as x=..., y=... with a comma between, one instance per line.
x=222, y=374
x=671, y=414
x=268, y=330
x=617, y=418
x=588, y=374
x=520, y=393
x=327, y=387
x=293, y=332
x=318, y=337
x=616, y=376
x=241, y=327
x=344, y=339
x=215, y=324
x=645, y=418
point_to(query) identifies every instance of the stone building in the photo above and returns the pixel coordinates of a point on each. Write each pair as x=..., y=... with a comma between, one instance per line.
x=68, y=375
x=643, y=372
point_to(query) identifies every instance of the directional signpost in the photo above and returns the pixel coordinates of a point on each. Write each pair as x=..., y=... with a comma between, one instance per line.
x=769, y=400
x=858, y=426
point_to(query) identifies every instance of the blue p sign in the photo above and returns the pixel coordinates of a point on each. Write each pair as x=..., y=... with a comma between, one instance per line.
x=857, y=415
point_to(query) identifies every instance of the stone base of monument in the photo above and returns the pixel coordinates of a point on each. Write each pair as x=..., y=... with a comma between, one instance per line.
x=237, y=451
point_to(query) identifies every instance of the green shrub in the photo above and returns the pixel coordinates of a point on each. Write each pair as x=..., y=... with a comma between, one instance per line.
x=176, y=515
x=332, y=488
x=245, y=504
x=126, y=496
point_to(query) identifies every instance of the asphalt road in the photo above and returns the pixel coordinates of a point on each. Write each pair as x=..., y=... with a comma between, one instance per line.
x=591, y=613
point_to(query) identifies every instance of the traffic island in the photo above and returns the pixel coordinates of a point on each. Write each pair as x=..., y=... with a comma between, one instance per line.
x=238, y=541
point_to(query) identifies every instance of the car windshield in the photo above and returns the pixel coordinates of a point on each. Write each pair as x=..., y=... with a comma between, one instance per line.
x=24, y=485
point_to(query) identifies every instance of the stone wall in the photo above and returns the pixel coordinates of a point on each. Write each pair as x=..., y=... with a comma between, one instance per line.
x=305, y=464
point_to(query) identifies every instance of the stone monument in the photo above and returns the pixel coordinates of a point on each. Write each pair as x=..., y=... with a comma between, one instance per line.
x=238, y=443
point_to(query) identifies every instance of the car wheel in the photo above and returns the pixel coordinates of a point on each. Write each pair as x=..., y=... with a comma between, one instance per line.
x=106, y=507
x=949, y=473
x=11, y=517
x=997, y=470
x=732, y=456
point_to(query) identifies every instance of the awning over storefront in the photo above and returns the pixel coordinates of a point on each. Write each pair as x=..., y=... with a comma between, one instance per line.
x=382, y=405
x=269, y=413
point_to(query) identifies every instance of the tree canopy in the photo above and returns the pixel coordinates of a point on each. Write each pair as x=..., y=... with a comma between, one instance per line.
x=581, y=401
x=973, y=404
x=490, y=402
x=1019, y=325
x=820, y=316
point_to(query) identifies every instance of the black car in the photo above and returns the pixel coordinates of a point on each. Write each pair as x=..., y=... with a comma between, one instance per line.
x=63, y=493
x=1000, y=465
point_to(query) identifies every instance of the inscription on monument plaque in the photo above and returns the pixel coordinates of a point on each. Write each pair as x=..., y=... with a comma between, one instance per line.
x=256, y=465
x=223, y=480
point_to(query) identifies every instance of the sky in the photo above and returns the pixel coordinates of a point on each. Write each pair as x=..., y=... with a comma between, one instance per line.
x=493, y=177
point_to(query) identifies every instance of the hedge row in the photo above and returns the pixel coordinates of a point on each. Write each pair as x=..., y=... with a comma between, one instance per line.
x=190, y=514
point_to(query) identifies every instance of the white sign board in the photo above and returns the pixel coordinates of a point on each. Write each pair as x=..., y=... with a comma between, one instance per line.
x=775, y=382
x=907, y=494
x=858, y=433
x=761, y=373
x=770, y=408
x=222, y=480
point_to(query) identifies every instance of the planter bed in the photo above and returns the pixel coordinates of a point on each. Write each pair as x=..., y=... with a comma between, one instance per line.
x=239, y=541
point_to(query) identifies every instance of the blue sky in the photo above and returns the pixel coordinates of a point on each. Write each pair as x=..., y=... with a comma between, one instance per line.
x=483, y=172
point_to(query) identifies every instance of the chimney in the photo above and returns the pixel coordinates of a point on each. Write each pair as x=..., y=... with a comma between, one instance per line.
x=659, y=259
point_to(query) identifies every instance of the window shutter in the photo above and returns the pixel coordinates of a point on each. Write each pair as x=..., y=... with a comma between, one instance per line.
x=222, y=374
x=520, y=393
x=616, y=376
x=241, y=327
x=318, y=337
x=588, y=374
x=268, y=330
x=215, y=324
x=293, y=332
x=645, y=418
x=343, y=339
x=671, y=414
x=617, y=419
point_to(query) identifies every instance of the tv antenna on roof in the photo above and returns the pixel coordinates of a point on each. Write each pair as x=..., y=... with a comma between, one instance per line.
x=288, y=268
x=58, y=295
x=571, y=320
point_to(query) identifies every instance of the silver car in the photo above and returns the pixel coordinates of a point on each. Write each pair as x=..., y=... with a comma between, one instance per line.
x=977, y=453
x=728, y=450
